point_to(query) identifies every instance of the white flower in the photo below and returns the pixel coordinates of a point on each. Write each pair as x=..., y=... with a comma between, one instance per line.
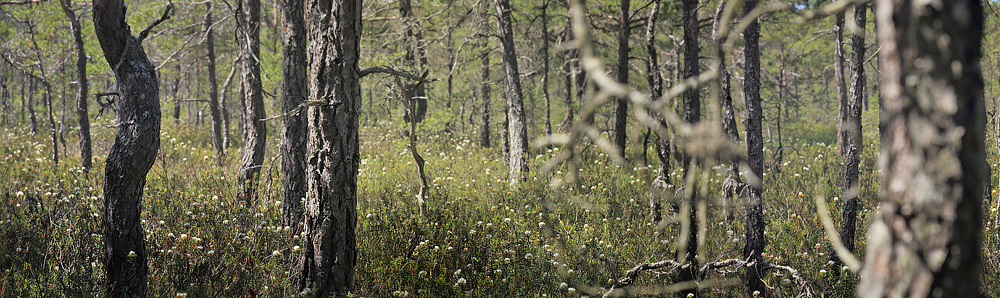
x=563, y=285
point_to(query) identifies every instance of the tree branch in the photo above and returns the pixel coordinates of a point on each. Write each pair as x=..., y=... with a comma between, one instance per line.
x=21, y=2
x=164, y=17
x=398, y=73
x=633, y=273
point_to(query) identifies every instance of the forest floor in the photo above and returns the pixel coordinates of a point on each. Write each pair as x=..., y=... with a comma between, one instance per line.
x=476, y=237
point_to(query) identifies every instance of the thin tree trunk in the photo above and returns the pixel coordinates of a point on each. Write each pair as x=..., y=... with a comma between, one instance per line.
x=294, y=90
x=330, y=251
x=137, y=140
x=838, y=68
x=415, y=57
x=213, y=92
x=654, y=80
x=733, y=184
x=692, y=115
x=621, y=111
x=755, y=240
x=222, y=103
x=854, y=141
x=517, y=132
x=926, y=240
x=254, y=138
x=31, y=106
x=545, y=67
x=569, y=69
x=484, y=56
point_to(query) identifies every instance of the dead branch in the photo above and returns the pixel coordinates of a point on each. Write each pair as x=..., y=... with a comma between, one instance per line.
x=632, y=274
x=21, y=2
x=164, y=17
x=390, y=71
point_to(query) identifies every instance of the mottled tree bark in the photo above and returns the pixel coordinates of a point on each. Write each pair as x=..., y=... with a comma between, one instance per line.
x=733, y=183
x=222, y=102
x=545, y=67
x=755, y=240
x=926, y=240
x=137, y=140
x=33, y=119
x=294, y=90
x=484, y=92
x=621, y=110
x=213, y=91
x=415, y=57
x=654, y=80
x=330, y=250
x=254, y=138
x=854, y=146
x=83, y=85
x=570, y=70
x=692, y=115
x=839, y=77
x=517, y=131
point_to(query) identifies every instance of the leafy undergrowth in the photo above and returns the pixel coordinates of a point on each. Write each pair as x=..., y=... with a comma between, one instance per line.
x=476, y=237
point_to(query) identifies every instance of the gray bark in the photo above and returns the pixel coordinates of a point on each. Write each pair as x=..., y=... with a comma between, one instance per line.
x=545, y=67
x=838, y=68
x=213, y=91
x=294, y=90
x=517, y=131
x=255, y=134
x=733, y=183
x=755, y=240
x=655, y=82
x=692, y=115
x=854, y=146
x=137, y=140
x=484, y=92
x=330, y=250
x=83, y=87
x=621, y=110
x=926, y=240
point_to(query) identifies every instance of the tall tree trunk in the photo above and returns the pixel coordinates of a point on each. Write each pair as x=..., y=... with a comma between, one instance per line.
x=545, y=67
x=415, y=57
x=692, y=115
x=222, y=102
x=755, y=240
x=517, y=132
x=655, y=82
x=31, y=106
x=254, y=138
x=137, y=140
x=733, y=184
x=569, y=69
x=333, y=151
x=484, y=57
x=854, y=146
x=294, y=90
x=926, y=240
x=621, y=111
x=83, y=87
x=838, y=68
x=213, y=84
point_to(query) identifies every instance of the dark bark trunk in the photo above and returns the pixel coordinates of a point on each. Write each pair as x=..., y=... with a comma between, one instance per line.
x=545, y=67
x=692, y=115
x=333, y=151
x=213, y=91
x=254, y=138
x=733, y=183
x=31, y=106
x=621, y=110
x=517, y=131
x=755, y=240
x=484, y=93
x=569, y=69
x=83, y=88
x=294, y=91
x=176, y=95
x=655, y=82
x=926, y=240
x=137, y=140
x=853, y=126
x=415, y=57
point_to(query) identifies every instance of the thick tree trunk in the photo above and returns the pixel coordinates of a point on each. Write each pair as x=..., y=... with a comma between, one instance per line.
x=621, y=111
x=926, y=240
x=254, y=138
x=755, y=240
x=83, y=87
x=838, y=68
x=854, y=146
x=213, y=92
x=137, y=140
x=517, y=131
x=294, y=90
x=333, y=151
x=655, y=82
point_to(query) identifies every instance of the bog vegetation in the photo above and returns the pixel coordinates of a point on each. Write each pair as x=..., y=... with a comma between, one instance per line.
x=571, y=223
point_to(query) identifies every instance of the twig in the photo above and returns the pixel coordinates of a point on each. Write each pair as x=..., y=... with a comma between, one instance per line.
x=164, y=17
x=21, y=2
x=399, y=73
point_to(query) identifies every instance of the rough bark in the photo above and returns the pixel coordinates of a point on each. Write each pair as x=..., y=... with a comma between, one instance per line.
x=569, y=75
x=926, y=239
x=545, y=67
x=254, y=138
x=692, y=115
x=733, y=183
x=839, y=77
x=213, y=91
x=31, y=106
x=484, y=92
x=222, y=103
x=415, y=57
x=655, y=82
x=330, y=250
x=621, y=110
x=83, y=87
x=517, y=131
x=137, y=140
x=852, y=158
x=755, y=240
x=294, y=90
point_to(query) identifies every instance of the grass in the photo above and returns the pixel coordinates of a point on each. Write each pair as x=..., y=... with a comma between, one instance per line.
x=477, y=237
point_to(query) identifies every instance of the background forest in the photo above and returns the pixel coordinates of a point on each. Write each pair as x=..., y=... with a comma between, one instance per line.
x=582, y=216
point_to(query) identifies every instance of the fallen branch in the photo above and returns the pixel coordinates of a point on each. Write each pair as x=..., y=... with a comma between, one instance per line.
x=720, y=264
x=633, y=273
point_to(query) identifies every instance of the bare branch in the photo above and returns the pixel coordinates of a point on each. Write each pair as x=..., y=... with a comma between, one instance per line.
x=21, y=2
x=398, y=73
x=164, y=17
x=633, y=273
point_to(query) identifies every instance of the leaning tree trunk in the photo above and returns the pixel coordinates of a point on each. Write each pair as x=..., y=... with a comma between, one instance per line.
x=655, y=82
x=213, y=92
x=692, y=115
x=294, y=90
x=621, y=111
x=333, y=151
x=81, y=93
x=854, y=147
x=517, y=132
x=254, y=138
x=926, y=240
x=137, y=140
x=755, y=241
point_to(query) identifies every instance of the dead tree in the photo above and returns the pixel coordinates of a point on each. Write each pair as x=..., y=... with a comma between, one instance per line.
x=838, y=68
x=137, y=140
x=692, y=115
x=926, y=240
